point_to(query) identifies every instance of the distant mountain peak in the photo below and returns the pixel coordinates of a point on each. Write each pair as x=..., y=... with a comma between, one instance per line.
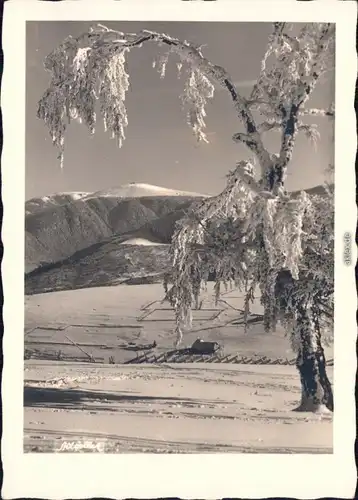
x=141, y=189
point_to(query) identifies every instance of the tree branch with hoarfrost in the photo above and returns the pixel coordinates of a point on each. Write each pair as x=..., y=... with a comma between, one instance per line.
x=93, y=67
x=253, y=234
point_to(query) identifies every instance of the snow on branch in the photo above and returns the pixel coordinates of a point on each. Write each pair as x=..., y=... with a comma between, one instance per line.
x=198, y=89
x=310, y=131
x=307, y=67
x=93, y=66
x=208, y=239
x=318, y=112
x=291, y=67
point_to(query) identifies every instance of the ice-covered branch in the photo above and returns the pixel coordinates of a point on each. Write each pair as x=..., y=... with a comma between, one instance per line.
x=310, y=65
x=248, y=140
x=93, y=66
x=310, y=131
x=317, y=112
x=270, y=125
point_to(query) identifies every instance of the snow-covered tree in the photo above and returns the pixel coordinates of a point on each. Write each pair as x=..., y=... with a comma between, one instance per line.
x=253, y=234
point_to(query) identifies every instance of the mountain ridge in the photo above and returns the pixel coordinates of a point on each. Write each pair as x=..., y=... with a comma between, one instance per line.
x=132, y=237
x=68, y=223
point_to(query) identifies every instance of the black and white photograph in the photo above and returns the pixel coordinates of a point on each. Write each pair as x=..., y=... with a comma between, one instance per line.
x=186, y=238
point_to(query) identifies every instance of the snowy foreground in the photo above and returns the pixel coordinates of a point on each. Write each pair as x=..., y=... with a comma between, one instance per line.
x=172, y=409
x=203, y=407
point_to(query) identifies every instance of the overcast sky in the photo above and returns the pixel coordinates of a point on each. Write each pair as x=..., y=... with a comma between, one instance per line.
x=160, y=148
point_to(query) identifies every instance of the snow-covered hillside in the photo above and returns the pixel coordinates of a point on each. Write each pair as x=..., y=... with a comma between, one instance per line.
x=38, y=204
x=58, y=226
x=82, y=242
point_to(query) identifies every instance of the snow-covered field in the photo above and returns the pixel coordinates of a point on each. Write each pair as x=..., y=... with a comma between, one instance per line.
x=163, y=408
x=183, y=408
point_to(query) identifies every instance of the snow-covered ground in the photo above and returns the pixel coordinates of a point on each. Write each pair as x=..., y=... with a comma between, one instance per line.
x=164, y=408
x=169, y=409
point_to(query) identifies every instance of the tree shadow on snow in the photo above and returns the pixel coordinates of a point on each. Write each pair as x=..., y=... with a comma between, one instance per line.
x=78, y=399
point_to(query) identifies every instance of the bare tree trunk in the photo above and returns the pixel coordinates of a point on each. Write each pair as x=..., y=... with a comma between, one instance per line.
x=317, y=393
